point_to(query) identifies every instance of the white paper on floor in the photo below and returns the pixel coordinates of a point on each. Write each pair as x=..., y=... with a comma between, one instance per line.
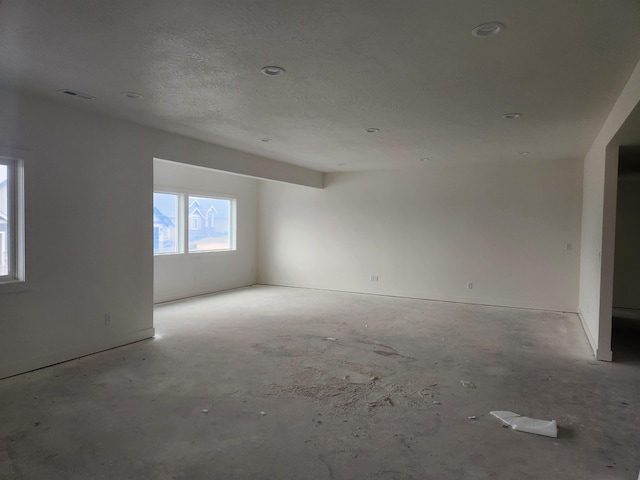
x=548, y=428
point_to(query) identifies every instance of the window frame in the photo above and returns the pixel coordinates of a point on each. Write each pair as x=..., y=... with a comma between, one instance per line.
x=15, y=221
x=232, y=221
x=184, y=220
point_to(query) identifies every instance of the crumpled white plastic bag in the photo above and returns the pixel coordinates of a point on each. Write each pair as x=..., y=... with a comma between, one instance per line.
x=548, y=428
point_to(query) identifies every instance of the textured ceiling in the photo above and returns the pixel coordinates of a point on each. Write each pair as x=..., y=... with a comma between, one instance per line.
x=408, y=67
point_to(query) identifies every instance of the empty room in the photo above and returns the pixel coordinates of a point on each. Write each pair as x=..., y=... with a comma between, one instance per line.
x=319, y=240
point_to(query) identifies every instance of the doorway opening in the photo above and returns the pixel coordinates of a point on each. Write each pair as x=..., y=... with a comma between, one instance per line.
x=625, y=333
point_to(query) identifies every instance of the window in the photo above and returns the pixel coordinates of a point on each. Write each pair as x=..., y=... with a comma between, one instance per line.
x=165, y=222
x=11, y=211
x=209, y=224
x=212, y=229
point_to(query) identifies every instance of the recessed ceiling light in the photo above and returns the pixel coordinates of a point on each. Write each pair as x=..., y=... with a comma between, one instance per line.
x=425, y=159
x=342, y=164
x=372, y=130
x=487, y=29
x=266, y=139
x=523, y=153
x=73, y=93
x=132, y=95
x=511, y=116
x=272, y=70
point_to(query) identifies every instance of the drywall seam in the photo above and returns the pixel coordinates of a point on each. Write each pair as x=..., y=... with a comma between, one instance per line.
x=44, y=361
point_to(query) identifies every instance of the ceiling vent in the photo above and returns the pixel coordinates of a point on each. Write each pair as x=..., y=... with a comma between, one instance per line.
x=272, y=70
x=73, y=93
x=487, y=29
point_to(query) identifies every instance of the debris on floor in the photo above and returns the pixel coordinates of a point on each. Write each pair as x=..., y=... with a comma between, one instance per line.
x=467, y=384
x=381, y=402
x=547, y=428
x=204, y=410
x=263, y=413
x=331, y=339
x=472, y=417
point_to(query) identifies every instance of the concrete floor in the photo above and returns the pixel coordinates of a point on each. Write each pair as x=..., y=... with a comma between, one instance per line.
x=246, y=384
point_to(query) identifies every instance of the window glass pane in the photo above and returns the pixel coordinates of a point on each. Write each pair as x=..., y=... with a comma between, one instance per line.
x=4, y=220
x=165, y=223
x=209, y=224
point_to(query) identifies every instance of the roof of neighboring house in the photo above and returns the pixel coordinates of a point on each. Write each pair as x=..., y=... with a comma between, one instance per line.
x=160, y=217
x=194, y=207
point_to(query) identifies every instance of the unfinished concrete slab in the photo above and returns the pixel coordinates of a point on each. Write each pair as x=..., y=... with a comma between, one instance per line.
x=283, y=383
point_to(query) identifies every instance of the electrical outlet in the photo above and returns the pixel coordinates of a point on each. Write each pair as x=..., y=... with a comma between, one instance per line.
x=470, y=286
x=374, y=278
x=568, y=246
x=107, y=319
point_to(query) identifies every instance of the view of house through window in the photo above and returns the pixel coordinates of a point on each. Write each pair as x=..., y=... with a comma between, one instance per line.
x=4, y=220
x=204, y=224
x=165, y=222
x=209, y=224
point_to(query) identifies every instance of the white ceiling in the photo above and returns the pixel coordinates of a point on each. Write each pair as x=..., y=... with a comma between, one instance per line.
x=409, y=67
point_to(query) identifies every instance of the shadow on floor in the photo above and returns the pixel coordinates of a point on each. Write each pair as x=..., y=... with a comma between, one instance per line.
x=625, y=340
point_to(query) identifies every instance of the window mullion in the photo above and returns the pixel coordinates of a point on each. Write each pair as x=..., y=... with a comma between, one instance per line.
x=12, y=248
x=184, y=223
x=11, y=221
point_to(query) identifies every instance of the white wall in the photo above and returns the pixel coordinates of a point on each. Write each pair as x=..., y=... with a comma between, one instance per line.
x=89, y=238
x=626, y=282
x=598, y=222
x=185, y=275
x=428, y=231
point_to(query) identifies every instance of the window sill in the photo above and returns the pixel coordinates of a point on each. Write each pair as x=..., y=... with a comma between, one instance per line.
x=14, y=286
x=184, y=254
x=201, y=252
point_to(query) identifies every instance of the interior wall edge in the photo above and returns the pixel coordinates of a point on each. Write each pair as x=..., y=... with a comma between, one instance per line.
x=604, y=355
x=171, y=146
x=587, y=331
x=169, y=298
x=596, y=191
x=608, y=251
x=483, y=301
x=15, y=368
